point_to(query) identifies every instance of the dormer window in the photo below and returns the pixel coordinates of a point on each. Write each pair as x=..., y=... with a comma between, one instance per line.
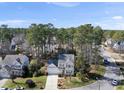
x=18, y=60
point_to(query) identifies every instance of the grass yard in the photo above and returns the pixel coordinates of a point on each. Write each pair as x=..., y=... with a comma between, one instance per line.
x=39, y=81
x=121, y=86
x=75, y=82
x=100, y=70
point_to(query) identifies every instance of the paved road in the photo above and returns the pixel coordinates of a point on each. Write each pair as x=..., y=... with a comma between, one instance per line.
x=51, y=83
x=111, y=73
x=2, y=82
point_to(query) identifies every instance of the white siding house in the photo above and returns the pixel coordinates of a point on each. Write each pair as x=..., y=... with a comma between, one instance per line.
x=119, y=47
x=65, y=65
x=12, y=65
x=109, y=42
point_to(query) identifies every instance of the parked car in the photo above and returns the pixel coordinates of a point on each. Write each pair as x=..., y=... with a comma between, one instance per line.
x=3, y=88
x=19, y=88
x=106, y=61
x=22, y=88
x=115, y=82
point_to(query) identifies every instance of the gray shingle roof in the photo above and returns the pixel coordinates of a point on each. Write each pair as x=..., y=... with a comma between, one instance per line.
x=11, y=59
x=65, y=57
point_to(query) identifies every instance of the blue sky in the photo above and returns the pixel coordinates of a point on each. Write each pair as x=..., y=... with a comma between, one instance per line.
x=106, y=15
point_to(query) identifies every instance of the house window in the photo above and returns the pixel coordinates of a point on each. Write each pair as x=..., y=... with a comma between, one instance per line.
x=68, y=66
x=68, y=71
x=61, y=65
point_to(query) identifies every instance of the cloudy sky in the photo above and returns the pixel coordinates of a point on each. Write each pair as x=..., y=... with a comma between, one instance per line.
x=106, y=15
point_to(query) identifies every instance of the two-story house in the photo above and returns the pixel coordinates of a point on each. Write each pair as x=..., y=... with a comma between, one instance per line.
x=64, y=65
x=13, y=64
x=118, y=47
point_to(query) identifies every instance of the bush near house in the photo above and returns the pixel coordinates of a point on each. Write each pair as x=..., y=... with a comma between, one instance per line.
x=42, y=70
x=30, y=83
x=35, y=68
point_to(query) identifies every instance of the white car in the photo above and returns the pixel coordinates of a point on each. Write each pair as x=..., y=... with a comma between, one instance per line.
x=114, y=82
x=3, y=88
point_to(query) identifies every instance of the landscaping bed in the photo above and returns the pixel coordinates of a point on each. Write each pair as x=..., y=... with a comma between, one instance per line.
x=73, y=82
x=39, y=81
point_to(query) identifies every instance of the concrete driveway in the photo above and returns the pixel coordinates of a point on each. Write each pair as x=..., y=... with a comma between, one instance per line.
x=51, y=83
x=111, y=73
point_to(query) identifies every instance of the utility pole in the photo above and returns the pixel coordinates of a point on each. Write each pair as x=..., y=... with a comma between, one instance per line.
x=98, y=83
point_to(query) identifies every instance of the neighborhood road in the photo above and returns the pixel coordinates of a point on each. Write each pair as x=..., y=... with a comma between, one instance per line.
x=51, y=83
x=112, y=72
x=2, y=82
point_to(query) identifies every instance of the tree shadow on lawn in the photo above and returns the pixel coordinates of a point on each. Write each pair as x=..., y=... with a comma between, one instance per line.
x=112, y=65
x=94, y=76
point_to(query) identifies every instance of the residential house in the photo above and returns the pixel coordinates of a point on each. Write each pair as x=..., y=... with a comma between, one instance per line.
x=118, y=47
x=4, y=47
x=19, y=40
x=13, y=64
x=64, y=65
x=109, y=42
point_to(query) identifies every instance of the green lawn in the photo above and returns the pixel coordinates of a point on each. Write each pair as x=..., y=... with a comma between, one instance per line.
x=120, y=87
x=101, y=70
x=39, y=81
x=76, y=82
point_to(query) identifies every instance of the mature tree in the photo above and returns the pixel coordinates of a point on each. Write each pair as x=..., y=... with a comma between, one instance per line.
x=87, y=41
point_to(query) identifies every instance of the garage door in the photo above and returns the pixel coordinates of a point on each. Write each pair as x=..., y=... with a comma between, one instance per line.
x=53, y=70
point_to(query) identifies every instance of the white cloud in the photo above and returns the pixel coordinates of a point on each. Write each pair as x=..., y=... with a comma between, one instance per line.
x=65, y=4
x=111, y=24
x=117, y=17
x=14, y=23
x=11, y=21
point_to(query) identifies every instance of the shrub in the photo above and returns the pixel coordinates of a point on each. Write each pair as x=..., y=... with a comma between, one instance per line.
x=78, y=74
x=42, y=70
x=33, y=65
x=81, y=76
x=30, y=83
x=26, y=71
x=35, y=74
